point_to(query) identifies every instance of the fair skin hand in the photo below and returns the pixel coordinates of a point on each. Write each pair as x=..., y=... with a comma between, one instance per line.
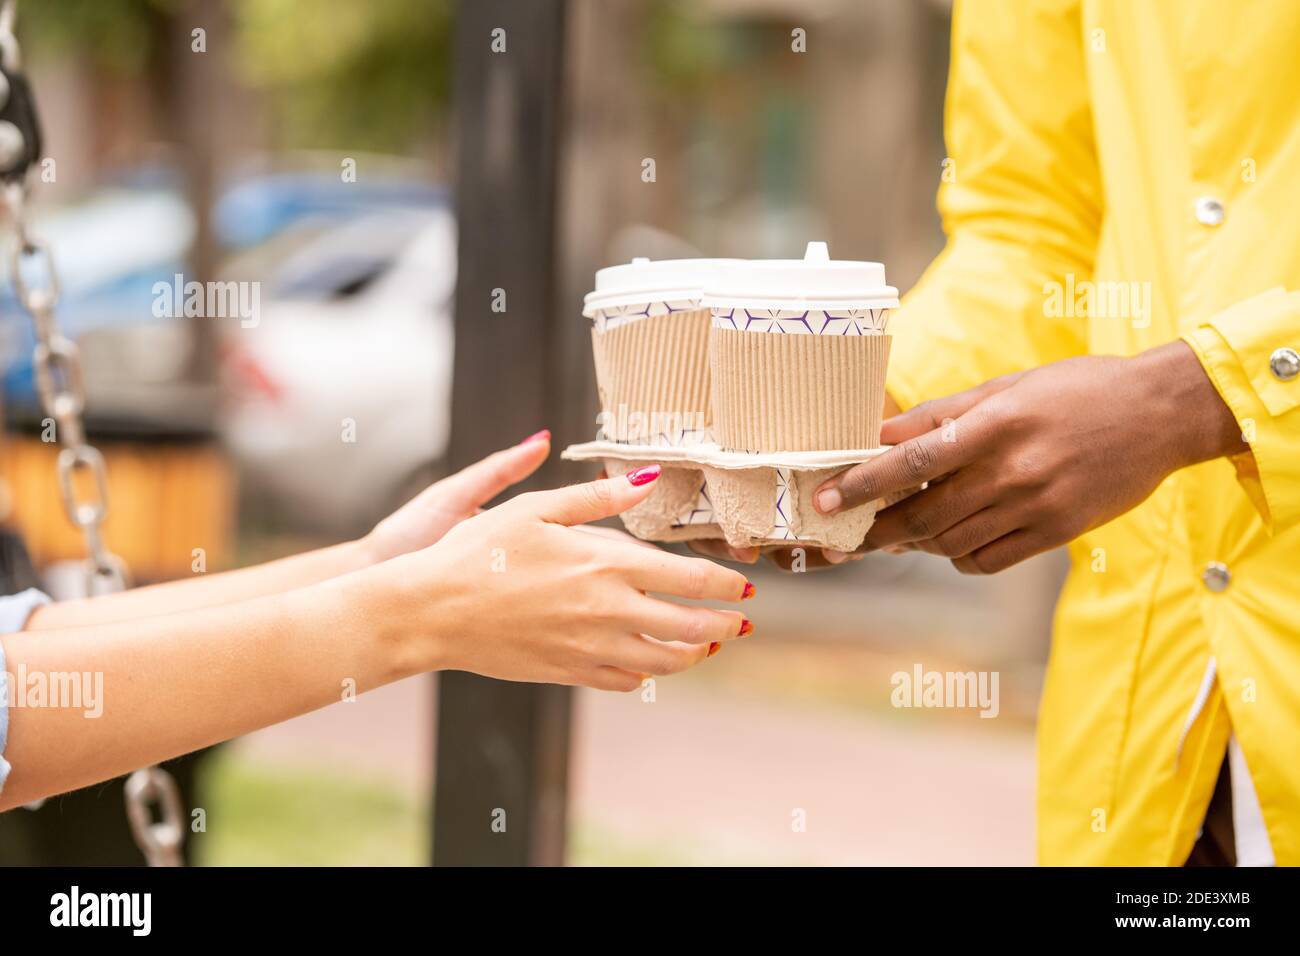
x=578, y=609
x=1028, y=462
x=418, y=524
x=517, y=592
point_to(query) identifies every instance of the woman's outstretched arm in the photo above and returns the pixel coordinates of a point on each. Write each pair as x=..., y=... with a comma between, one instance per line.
x=162, y=686
x=418, y=524
x=515, y=593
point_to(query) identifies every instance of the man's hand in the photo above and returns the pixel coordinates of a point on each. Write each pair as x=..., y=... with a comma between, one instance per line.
x=1027, y=462
x=783, y=556
x=720, y=550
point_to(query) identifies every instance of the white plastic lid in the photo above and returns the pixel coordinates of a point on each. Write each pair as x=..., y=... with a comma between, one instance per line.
x=643, y=280
x=814, y=282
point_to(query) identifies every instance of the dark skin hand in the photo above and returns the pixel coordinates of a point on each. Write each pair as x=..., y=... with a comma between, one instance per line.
x=1027, y=462
x=782, y=557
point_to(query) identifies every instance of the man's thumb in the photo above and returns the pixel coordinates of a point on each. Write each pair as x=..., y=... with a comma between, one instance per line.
x=578, y=504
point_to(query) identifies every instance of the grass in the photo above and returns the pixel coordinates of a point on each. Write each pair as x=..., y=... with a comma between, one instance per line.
x=855, y=678
x=260, y=815
x=264, y=816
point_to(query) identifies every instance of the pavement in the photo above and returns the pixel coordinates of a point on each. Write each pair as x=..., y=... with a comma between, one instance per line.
x=703, y=776
x=785, y=748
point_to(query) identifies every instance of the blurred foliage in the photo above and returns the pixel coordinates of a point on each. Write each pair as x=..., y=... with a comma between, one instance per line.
x=371, y=74
x=114, y=34
x=374, y=75
x=685, y=51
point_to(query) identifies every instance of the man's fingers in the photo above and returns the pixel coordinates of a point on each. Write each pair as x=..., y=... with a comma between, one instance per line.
x=693, y=578
x=927, y=416
x=917, y=460
x=968, y=535
x=1003, y=553
x=929, y=513
x=482, y=481
x=717, y=548
x=834, y=557
x=591, y=500
x=937, y=412
x=812, y=559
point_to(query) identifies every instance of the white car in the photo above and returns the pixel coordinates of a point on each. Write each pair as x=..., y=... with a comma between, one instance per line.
x=340, y=394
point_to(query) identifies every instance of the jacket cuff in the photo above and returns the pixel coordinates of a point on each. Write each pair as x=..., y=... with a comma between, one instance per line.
x=1239, y=350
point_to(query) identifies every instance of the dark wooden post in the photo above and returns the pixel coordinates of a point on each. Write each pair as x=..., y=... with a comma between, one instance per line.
x=502, y=758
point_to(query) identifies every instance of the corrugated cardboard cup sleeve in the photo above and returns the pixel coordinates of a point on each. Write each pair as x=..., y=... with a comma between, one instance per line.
x=653, y=375
x=779, y=392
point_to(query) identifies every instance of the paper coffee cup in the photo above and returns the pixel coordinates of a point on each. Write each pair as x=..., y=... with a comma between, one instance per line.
x=650, y=339
x=750, y=382
x=798, y=350
x=798, y=353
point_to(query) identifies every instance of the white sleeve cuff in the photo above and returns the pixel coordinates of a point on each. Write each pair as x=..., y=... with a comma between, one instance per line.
x=15, y=609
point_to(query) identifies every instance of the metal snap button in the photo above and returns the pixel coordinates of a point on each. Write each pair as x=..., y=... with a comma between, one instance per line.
x=1216, y=576
x=1209, y=211
x=1284, y=363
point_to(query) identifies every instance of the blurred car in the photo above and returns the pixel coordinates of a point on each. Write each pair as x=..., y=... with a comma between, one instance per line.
x=339, y=398
x=355, y=284
x=108, y=252
x=259, y=208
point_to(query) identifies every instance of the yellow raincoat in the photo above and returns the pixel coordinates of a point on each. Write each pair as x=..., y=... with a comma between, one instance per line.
x=1140, y=159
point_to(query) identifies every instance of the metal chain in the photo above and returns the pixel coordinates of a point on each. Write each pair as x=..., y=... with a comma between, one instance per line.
x=159, y=840
x=61, y=387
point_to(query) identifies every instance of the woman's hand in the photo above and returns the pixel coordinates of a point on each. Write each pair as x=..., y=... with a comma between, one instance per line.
x=417, y=524
x=519, y=593
x=513, y=593
x=1030, y=461
x=428, y=516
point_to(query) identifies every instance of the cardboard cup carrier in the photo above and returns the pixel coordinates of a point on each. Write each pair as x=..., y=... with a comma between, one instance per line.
x=751, y=382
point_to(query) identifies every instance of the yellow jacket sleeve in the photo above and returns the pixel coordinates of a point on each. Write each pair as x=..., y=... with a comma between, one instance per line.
x=1019, y=198
x=1245, y=352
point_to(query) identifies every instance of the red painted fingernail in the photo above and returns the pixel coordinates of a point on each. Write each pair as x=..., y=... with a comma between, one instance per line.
x=749, y=591
x=746, y=627
x=643, y=476
x=543, y=435
x=713, y=649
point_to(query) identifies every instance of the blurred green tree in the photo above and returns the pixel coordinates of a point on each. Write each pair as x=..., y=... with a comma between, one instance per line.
x=115, y=34
x=376, y=76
